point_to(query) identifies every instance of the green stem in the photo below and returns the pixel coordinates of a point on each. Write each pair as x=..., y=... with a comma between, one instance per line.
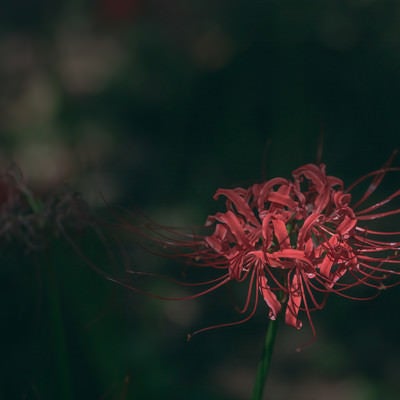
x=265, y=361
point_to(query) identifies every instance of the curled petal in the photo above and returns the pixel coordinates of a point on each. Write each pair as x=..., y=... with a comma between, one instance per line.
x=281, y=199
x=315, y=173
x=294, y=303
x=291, y=258
x=266, y=189
x=267, y=231
x=270, y=298
x=218, y=239
x=341, y=199
x=281, y=233
x=347, y=225
x=236, y=197
x=233, y=224
x=305, y=230
x=325, y=266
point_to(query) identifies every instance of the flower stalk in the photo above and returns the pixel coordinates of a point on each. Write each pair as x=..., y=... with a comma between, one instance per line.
x=265, y=360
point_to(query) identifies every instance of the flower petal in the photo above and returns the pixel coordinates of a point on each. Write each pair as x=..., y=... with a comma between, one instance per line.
x=293, y=305
x=270, y=298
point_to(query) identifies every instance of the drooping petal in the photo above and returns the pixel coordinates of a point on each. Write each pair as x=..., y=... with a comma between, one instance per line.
x=270, y=298
x=294, y=303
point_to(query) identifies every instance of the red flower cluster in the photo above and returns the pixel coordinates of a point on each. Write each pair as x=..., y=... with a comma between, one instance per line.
x=296, y=238
x=296, y=241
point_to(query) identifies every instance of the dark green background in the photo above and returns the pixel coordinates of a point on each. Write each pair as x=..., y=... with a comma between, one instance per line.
x=153, y=105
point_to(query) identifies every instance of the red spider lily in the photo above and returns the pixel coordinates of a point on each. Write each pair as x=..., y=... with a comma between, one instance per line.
x=296, y=241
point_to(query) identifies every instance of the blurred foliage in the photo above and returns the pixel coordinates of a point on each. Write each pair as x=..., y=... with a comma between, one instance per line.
x=153, y=105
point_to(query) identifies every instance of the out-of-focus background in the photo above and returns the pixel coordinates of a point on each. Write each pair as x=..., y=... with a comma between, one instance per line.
x=153, y=105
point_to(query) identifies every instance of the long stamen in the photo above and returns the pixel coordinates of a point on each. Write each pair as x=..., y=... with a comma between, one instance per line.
x=228, y=324
x=249, y=293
